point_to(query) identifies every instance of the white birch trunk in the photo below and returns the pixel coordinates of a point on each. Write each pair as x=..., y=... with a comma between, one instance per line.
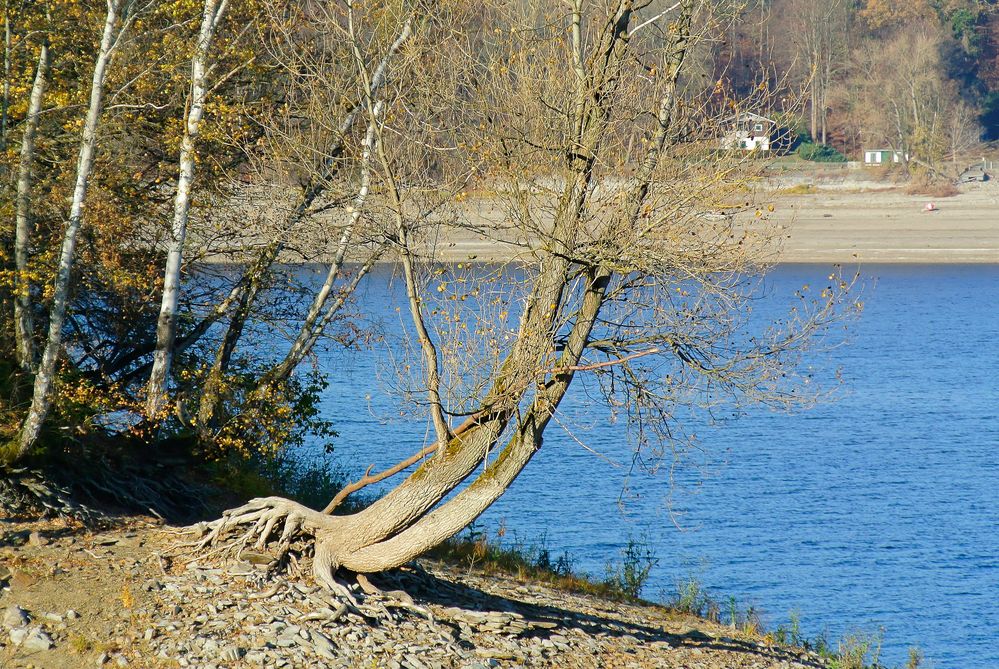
x=166, y=328
x=41, y=399
x=23, y=321
x=6, y=74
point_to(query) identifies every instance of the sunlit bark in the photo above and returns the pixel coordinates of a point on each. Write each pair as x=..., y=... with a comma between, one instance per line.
x=23, y=316
x=166, y=329
x=45, y=377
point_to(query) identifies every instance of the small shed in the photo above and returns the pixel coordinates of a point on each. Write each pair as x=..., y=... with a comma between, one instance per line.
x=883, y=156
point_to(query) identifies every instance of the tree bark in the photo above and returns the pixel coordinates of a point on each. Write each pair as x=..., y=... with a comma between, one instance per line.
x=5, y=104
x=23, y=319
x=211, y=392
x=166, y=328
x=41, y=395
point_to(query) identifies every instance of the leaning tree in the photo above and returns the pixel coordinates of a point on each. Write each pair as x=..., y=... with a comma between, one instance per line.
x=591, y=129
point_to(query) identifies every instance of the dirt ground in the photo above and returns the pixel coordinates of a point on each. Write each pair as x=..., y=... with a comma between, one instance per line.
x=123, y=597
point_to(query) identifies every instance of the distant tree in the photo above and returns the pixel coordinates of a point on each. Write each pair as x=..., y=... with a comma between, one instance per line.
x=887, y=15
x=820, y=32
x=898, y=94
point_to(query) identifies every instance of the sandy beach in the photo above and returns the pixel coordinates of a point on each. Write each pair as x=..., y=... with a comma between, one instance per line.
x=891, y=227
x=852, y=224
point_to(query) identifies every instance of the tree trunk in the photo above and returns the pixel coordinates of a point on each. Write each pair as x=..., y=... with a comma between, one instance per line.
x=23, y=319
x=5, y=104
x=455, y=514
x=813, y=107
x=166, y=328
x=211, y=392
x=41, y=396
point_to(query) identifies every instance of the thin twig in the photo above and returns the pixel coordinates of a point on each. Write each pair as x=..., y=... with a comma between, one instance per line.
x=602, y=365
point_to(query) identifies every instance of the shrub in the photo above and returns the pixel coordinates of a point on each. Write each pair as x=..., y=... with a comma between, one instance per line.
x=691, y=598
x=922, y=186
x=630, y=574
x=820, y=153
x=857, y=650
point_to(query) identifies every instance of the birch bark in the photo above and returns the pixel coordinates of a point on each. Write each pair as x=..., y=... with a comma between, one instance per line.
x=166, y=328
x=23, y=320
x=41, y=399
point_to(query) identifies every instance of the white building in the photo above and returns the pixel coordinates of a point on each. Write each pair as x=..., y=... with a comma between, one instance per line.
x=874, y=157
x=749, y=132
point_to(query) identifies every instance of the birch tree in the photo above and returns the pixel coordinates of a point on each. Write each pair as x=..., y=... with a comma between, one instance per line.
x=24, y=327
x=166, y=329
x=116, y=23
x=297, y=50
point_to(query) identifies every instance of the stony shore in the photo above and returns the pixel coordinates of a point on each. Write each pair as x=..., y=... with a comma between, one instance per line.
x=126, y=598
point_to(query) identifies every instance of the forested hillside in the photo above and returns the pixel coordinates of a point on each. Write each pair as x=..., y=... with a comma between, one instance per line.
x=918, y=75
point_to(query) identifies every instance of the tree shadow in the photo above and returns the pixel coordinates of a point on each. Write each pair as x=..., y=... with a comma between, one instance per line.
x=545, y=620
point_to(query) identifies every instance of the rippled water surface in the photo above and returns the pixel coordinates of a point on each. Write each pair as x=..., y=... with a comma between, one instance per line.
x=877, y=510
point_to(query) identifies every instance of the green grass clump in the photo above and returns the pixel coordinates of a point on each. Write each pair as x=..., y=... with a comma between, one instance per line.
x=534, y=561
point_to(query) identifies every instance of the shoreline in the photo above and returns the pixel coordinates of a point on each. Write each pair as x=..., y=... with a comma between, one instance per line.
x=848, y=227
x=127, y=596
x=829, y=222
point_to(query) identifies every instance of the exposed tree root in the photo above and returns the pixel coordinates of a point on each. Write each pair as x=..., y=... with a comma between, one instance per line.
x=396, y=598
x=260, y=523
x=287, y=533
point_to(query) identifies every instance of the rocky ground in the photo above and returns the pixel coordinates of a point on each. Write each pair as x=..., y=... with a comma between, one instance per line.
x=126, y=597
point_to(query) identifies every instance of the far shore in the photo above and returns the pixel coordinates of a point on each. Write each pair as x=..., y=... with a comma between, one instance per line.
x=836, y=225
x=820, y=218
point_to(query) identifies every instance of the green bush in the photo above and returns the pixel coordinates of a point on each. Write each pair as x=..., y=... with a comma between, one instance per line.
x=820, y=153
x=630, y=574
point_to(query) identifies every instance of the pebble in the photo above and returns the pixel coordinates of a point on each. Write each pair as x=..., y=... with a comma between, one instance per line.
x=15, y=616
x=36, y=640
x=18, y=635
x=219, y=618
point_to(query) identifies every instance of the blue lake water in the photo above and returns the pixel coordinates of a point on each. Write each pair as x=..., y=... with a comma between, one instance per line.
x=878, y=509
